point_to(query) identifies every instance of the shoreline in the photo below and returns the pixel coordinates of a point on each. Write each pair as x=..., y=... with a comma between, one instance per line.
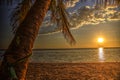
x=68, y=48
x=114, y=62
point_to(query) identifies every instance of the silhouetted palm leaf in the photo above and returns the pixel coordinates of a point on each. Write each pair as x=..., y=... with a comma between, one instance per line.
x=8, y=2
x=106, y=3
x=65, y=25
x=53, y=6
x=19, y=13
x=59, y=15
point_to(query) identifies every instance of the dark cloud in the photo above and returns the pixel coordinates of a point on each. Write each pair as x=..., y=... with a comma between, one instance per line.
x=84, y=14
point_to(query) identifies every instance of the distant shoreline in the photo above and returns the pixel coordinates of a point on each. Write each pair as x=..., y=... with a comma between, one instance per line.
x=68, y=48
x=74, y=48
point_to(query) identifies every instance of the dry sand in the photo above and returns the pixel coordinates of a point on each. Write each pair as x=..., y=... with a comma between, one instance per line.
x=74, y=71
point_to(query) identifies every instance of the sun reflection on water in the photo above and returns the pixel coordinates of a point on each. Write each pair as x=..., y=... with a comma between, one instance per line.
x=101, y=54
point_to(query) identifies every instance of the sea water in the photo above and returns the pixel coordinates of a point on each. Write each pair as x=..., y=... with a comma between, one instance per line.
x=75, y=55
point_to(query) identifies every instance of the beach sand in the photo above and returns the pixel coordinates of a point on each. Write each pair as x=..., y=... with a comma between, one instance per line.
x=74, y=71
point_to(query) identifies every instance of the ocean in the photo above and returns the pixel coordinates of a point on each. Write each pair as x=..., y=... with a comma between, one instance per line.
x=75, y=55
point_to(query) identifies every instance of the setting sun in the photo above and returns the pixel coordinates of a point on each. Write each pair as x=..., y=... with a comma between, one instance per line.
x=100, y=40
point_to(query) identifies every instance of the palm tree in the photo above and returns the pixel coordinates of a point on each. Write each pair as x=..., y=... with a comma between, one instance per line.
x=28, y=16
x=14, y=65
x=13, y=68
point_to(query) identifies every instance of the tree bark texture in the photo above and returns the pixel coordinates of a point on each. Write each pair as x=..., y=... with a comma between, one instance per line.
x=23, y=41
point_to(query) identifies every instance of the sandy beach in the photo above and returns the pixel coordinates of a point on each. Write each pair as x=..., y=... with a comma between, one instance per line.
x=74, y=71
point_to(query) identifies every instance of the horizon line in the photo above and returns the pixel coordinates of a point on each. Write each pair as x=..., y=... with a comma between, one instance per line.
x=69, y=48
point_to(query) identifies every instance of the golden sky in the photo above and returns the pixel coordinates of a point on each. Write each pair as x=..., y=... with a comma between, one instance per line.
x=89, y=25
x=86, y=37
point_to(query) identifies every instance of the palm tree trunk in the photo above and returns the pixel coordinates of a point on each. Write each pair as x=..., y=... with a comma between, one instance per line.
x=23, y=41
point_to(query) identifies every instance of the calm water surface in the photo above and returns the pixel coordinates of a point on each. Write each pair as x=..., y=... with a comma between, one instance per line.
x=76, y=55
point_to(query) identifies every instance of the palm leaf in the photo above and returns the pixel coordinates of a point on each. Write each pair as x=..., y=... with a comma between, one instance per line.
x=53, y=6
x=60, y=16
x=19, y=13
x=83, y=1
x=8, y=2
x=65, y=25
x=106, y=3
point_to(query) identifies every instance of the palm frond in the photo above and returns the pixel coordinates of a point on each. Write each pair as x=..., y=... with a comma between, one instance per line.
x=19, y=13
x=106, y=3
x=8, y=2
x=83, y=1
x=65, y=25
x=60, y=16
x=118, y=2
x=53, y=6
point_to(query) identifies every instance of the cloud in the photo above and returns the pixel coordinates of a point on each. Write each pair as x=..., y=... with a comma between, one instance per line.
x=84, y=15
x=71, y=3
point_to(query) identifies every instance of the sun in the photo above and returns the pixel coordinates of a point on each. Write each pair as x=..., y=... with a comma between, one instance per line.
x=100, y=40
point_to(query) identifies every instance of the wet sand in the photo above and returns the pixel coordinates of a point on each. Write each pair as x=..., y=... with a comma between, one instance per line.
x=74, y=71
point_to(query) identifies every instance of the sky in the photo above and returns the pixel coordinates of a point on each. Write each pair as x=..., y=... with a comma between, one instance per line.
x=88, y=24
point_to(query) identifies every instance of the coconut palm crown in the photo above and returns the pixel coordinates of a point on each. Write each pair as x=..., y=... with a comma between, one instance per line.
x=59, y=15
